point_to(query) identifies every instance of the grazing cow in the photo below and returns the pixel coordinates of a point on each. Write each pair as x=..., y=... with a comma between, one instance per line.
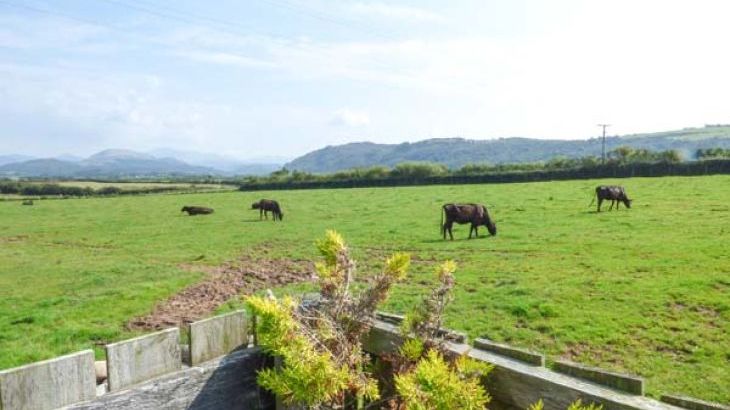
x=197, y=210
x=475, y=214
x=28, y=202
x=616, y=194
x=266, y=205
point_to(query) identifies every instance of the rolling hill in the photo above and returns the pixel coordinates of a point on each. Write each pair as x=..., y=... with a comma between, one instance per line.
x=456, y=152
x=111, y=163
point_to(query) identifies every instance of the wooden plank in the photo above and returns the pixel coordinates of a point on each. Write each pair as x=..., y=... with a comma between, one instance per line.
x=514, y=383
x=691, y=403
x=137, y=360
x=624, y=382
x=49, y=384
x=447, y=334
x=527, y=356
x=217, y=336
x=226, y=383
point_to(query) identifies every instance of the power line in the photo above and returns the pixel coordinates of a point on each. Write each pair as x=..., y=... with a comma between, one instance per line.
x=230, y=27
x=58, y=14
x=322, y=16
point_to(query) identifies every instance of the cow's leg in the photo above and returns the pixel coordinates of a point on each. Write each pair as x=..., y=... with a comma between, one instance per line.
x=261, y=214
x=471, y=229
x=447, y=227
x=600, y=200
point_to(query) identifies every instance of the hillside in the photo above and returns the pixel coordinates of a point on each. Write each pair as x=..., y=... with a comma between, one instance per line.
x=120, y=163
x=456, y=152
x=9, y=159
x=105, y=164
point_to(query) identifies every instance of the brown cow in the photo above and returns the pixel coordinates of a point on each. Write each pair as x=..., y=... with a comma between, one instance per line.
x=475, y=214
x=266, y=205
x=616, y=194
x=197, y=210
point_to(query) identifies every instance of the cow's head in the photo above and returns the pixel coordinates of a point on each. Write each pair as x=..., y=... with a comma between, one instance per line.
x=627, y=202
x=255, y=205
x=185, y=209
x=491, y=227
x=488, y=222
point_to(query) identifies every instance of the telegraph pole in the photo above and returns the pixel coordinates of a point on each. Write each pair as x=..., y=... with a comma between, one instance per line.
x=603, y=143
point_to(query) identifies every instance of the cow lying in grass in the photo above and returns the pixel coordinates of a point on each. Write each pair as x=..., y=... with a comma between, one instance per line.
x=197, y=210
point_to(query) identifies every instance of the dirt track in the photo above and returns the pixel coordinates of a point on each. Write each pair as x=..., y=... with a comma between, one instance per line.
x=243, y=276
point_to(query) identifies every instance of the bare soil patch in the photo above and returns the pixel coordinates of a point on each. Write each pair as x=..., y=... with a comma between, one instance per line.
x=243, y=276
x=11, y=239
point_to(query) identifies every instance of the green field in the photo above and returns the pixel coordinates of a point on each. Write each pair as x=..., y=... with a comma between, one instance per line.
x=124, y=186
x=645, y=291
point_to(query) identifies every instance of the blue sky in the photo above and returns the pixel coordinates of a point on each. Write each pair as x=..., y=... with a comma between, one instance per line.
x=265, y=78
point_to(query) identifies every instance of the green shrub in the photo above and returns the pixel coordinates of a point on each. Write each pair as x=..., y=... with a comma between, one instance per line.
x=318, y=343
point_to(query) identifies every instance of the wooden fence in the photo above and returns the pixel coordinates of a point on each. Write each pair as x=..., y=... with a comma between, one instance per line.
x=216, y=366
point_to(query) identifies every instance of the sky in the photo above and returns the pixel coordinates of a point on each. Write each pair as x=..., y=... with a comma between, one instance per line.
x=279, y=78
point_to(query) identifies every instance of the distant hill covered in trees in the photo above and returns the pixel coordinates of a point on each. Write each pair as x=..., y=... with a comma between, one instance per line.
x=457, y=152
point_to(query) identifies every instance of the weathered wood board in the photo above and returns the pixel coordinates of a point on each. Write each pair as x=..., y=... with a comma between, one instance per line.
x=217, y=336
x=49, y=384
x=140, y=359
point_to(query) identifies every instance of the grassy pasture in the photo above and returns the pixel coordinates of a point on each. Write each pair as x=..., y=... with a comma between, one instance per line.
x=645, y=291
x=137, y=185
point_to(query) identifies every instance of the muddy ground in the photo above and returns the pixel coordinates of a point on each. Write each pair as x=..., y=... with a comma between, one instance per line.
x=243, y=276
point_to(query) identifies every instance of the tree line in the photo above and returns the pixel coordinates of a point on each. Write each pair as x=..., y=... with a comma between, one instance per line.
x=56, y=190
x=621, y=162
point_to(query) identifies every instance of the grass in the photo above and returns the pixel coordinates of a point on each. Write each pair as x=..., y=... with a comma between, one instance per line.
x=138, y=185
x=644, y=291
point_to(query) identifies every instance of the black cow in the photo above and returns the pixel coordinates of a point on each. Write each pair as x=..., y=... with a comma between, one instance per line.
x=266, y=205
x=197, y=210
x=475, y=214
x=616, y=194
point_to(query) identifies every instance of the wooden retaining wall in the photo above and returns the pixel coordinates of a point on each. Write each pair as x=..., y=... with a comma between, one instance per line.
x=150, y=372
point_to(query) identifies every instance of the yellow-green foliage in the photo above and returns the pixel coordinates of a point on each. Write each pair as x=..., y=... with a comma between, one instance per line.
x=576, y=405
x=538, y=405
x=322, y=360
x=433, y=384
x=429, y=382
x=307, y=376
x=412, y=349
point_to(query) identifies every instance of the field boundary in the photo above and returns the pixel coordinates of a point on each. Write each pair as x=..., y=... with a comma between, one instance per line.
x=177, y=383
x=695, y=168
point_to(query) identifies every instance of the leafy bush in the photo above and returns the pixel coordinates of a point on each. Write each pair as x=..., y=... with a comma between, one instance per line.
x=318, y=343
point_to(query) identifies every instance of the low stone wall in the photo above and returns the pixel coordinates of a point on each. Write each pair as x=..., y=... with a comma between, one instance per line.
x=150, y=372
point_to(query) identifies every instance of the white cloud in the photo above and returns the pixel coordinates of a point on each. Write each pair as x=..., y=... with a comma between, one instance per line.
x=44, y=32
x=350, y=118
x=396, y=12
x=225, y=59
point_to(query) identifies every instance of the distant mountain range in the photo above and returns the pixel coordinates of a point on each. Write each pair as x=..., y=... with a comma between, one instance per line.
x=453, y=152
x=118, y=163
x=456, y=152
